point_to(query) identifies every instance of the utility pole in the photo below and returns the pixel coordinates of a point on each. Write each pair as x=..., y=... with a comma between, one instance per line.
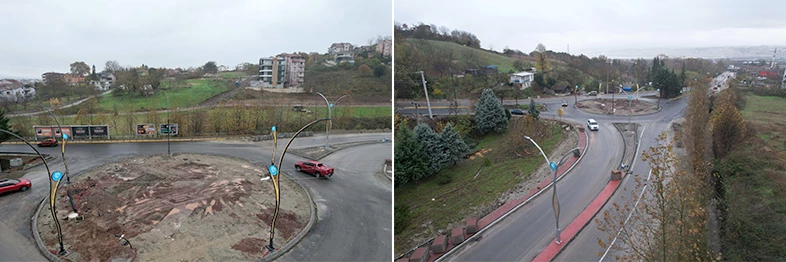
x=428, y=103
x=168, y=127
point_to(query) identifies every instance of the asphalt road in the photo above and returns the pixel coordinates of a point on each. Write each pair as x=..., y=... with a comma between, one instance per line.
x=524, y=234
x=335, y=201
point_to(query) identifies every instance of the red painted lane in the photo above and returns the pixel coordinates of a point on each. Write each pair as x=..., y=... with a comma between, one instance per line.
x=486, y=220
x=579, y=222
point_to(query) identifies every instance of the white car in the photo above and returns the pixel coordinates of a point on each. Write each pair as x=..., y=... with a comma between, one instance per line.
x=592, y=124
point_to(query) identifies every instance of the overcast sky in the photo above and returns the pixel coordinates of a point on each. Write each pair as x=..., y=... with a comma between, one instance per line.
x=592, y=26
x=38, y=36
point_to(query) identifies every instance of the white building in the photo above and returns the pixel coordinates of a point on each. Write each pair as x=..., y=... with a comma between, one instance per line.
x=342, y=52
x=783, y=84
x=523, y=78
x=12, y=90
x=272, y=72
x=384, y=47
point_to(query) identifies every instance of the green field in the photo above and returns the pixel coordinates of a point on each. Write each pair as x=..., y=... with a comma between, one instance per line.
x=465, y=194
x=232, y=75
x=503, y=63
x=754, y=181
x=199, y=90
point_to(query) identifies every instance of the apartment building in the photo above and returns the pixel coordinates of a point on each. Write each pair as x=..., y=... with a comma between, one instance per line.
x=296, y=70
x=272, y=72
x=342, y=52
x=384, y=47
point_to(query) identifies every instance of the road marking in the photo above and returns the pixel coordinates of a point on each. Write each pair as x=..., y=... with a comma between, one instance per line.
x=626, y=219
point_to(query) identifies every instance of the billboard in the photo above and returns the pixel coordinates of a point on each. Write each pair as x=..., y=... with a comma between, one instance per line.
x=75, y=132
x=145, y=129
x=99, y=131
x=163, y=129
x=50, y=131
x=80, y=131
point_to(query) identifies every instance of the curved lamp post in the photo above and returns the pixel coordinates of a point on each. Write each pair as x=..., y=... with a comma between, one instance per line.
x=330, y=116
x=53, y=177
x=62, y=147
x=554, y=198
x=274, y=169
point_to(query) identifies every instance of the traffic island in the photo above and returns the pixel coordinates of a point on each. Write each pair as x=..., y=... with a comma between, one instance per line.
x=187, y=207
x=620, y=106
x=318, y=152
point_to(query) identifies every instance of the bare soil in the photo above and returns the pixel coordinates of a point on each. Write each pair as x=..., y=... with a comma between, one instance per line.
x=620, y=106
x=187, y=207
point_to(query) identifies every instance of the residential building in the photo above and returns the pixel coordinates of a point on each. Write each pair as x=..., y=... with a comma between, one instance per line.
x=767, y=73
x=13, y=90
x=74, y=79
x=783, y=84
x=522, y=78
x=296, y=70
x=53, y=76
x=385, y=47
x=272, y=72
x=222, y=68
x=342, y=52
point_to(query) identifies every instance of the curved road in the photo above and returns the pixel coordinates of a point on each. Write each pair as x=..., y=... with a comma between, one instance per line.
x=337, y=198
x=524, y=234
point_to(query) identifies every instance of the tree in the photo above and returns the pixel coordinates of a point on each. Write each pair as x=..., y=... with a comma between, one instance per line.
x=489, y=113
x=541, y=60
x=4, y=125
x=728, y=126
x=412, y=162
x=93, y=75
x=669, y=220
x=112, y=66
x=210, y=67
x=80, y=68
x=379, y=70
x=518, y=65
x=364, y=70
x=453, y=147
x=533, y=109
x=431, y=146
x=698, y=142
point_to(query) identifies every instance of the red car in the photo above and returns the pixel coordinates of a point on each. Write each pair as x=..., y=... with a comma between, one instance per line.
x=314, y=168
x=48, y=142
x=12, y=185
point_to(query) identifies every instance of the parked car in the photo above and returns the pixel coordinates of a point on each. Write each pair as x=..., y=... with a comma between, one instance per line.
x=592, y=93
x=517, y=112
x=592, y=124
x=564, y=103
x=48, y=142
x=13, y=185
x=314, y=168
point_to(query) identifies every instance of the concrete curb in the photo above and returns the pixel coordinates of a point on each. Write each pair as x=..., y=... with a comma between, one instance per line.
x=590, y=113
x=311, y=222
x=589, y=221
x=38, y=242
x=113, y=141
x=343, y=146
x=516, y=208
x=273, y=255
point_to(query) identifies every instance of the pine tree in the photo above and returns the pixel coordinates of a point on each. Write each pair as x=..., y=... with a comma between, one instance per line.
x=533, y=109
x=430, y=142
x=411, y=161
x=4, y=125
x=453, y=146
x=489, y=113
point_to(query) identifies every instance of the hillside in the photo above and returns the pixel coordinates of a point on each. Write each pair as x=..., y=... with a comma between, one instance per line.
x=338, y=80
x=503, y=63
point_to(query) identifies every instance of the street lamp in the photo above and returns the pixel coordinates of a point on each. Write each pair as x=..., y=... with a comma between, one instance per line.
x=330, y=116
x=554, y=198
x=168, y=127
x=425, y=91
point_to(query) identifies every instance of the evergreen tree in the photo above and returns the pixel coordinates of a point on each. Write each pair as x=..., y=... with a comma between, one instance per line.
x=489, y=113
x=4, y=125
x=533, y=109
x=682, y=75
x=411, y=161
x=453, y=146
x=430, y=142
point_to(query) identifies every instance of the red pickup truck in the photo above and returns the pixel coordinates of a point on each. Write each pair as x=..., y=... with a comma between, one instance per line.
x=314, y=168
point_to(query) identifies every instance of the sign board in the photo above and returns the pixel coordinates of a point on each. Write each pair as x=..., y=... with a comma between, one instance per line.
x=163, y=129
x=51, y=131
x=42, y=132
x=145, y=129
x=80, y=131
x=99, y=131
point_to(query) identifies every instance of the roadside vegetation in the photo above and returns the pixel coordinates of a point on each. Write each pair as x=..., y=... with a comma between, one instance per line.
x=488, y=156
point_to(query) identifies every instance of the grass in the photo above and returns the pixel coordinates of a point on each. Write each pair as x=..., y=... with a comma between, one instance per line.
x=232, y=75
x=503, y=63
x=199, y=90
x=755, y=185
x=455, y=201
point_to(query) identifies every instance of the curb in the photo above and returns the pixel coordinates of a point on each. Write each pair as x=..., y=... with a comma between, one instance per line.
x=273, y=255
x=38, y=242
x=300, y=236
x=587, y=223
x=132, y=141
x=651, y=113
x=348, y=145
x=514, y=209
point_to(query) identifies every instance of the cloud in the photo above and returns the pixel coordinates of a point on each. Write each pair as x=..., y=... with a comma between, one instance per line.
x=41, y=36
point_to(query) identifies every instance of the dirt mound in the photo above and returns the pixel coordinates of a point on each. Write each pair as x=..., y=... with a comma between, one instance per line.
x=188, y=207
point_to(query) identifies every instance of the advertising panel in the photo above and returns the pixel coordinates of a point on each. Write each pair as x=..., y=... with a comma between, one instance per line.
x=98, y=131
x=80, y=131
x=145, y=129
x=163, y=129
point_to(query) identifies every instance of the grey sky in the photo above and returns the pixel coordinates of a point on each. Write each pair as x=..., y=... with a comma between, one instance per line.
x=594, y=26
x=41, y=36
